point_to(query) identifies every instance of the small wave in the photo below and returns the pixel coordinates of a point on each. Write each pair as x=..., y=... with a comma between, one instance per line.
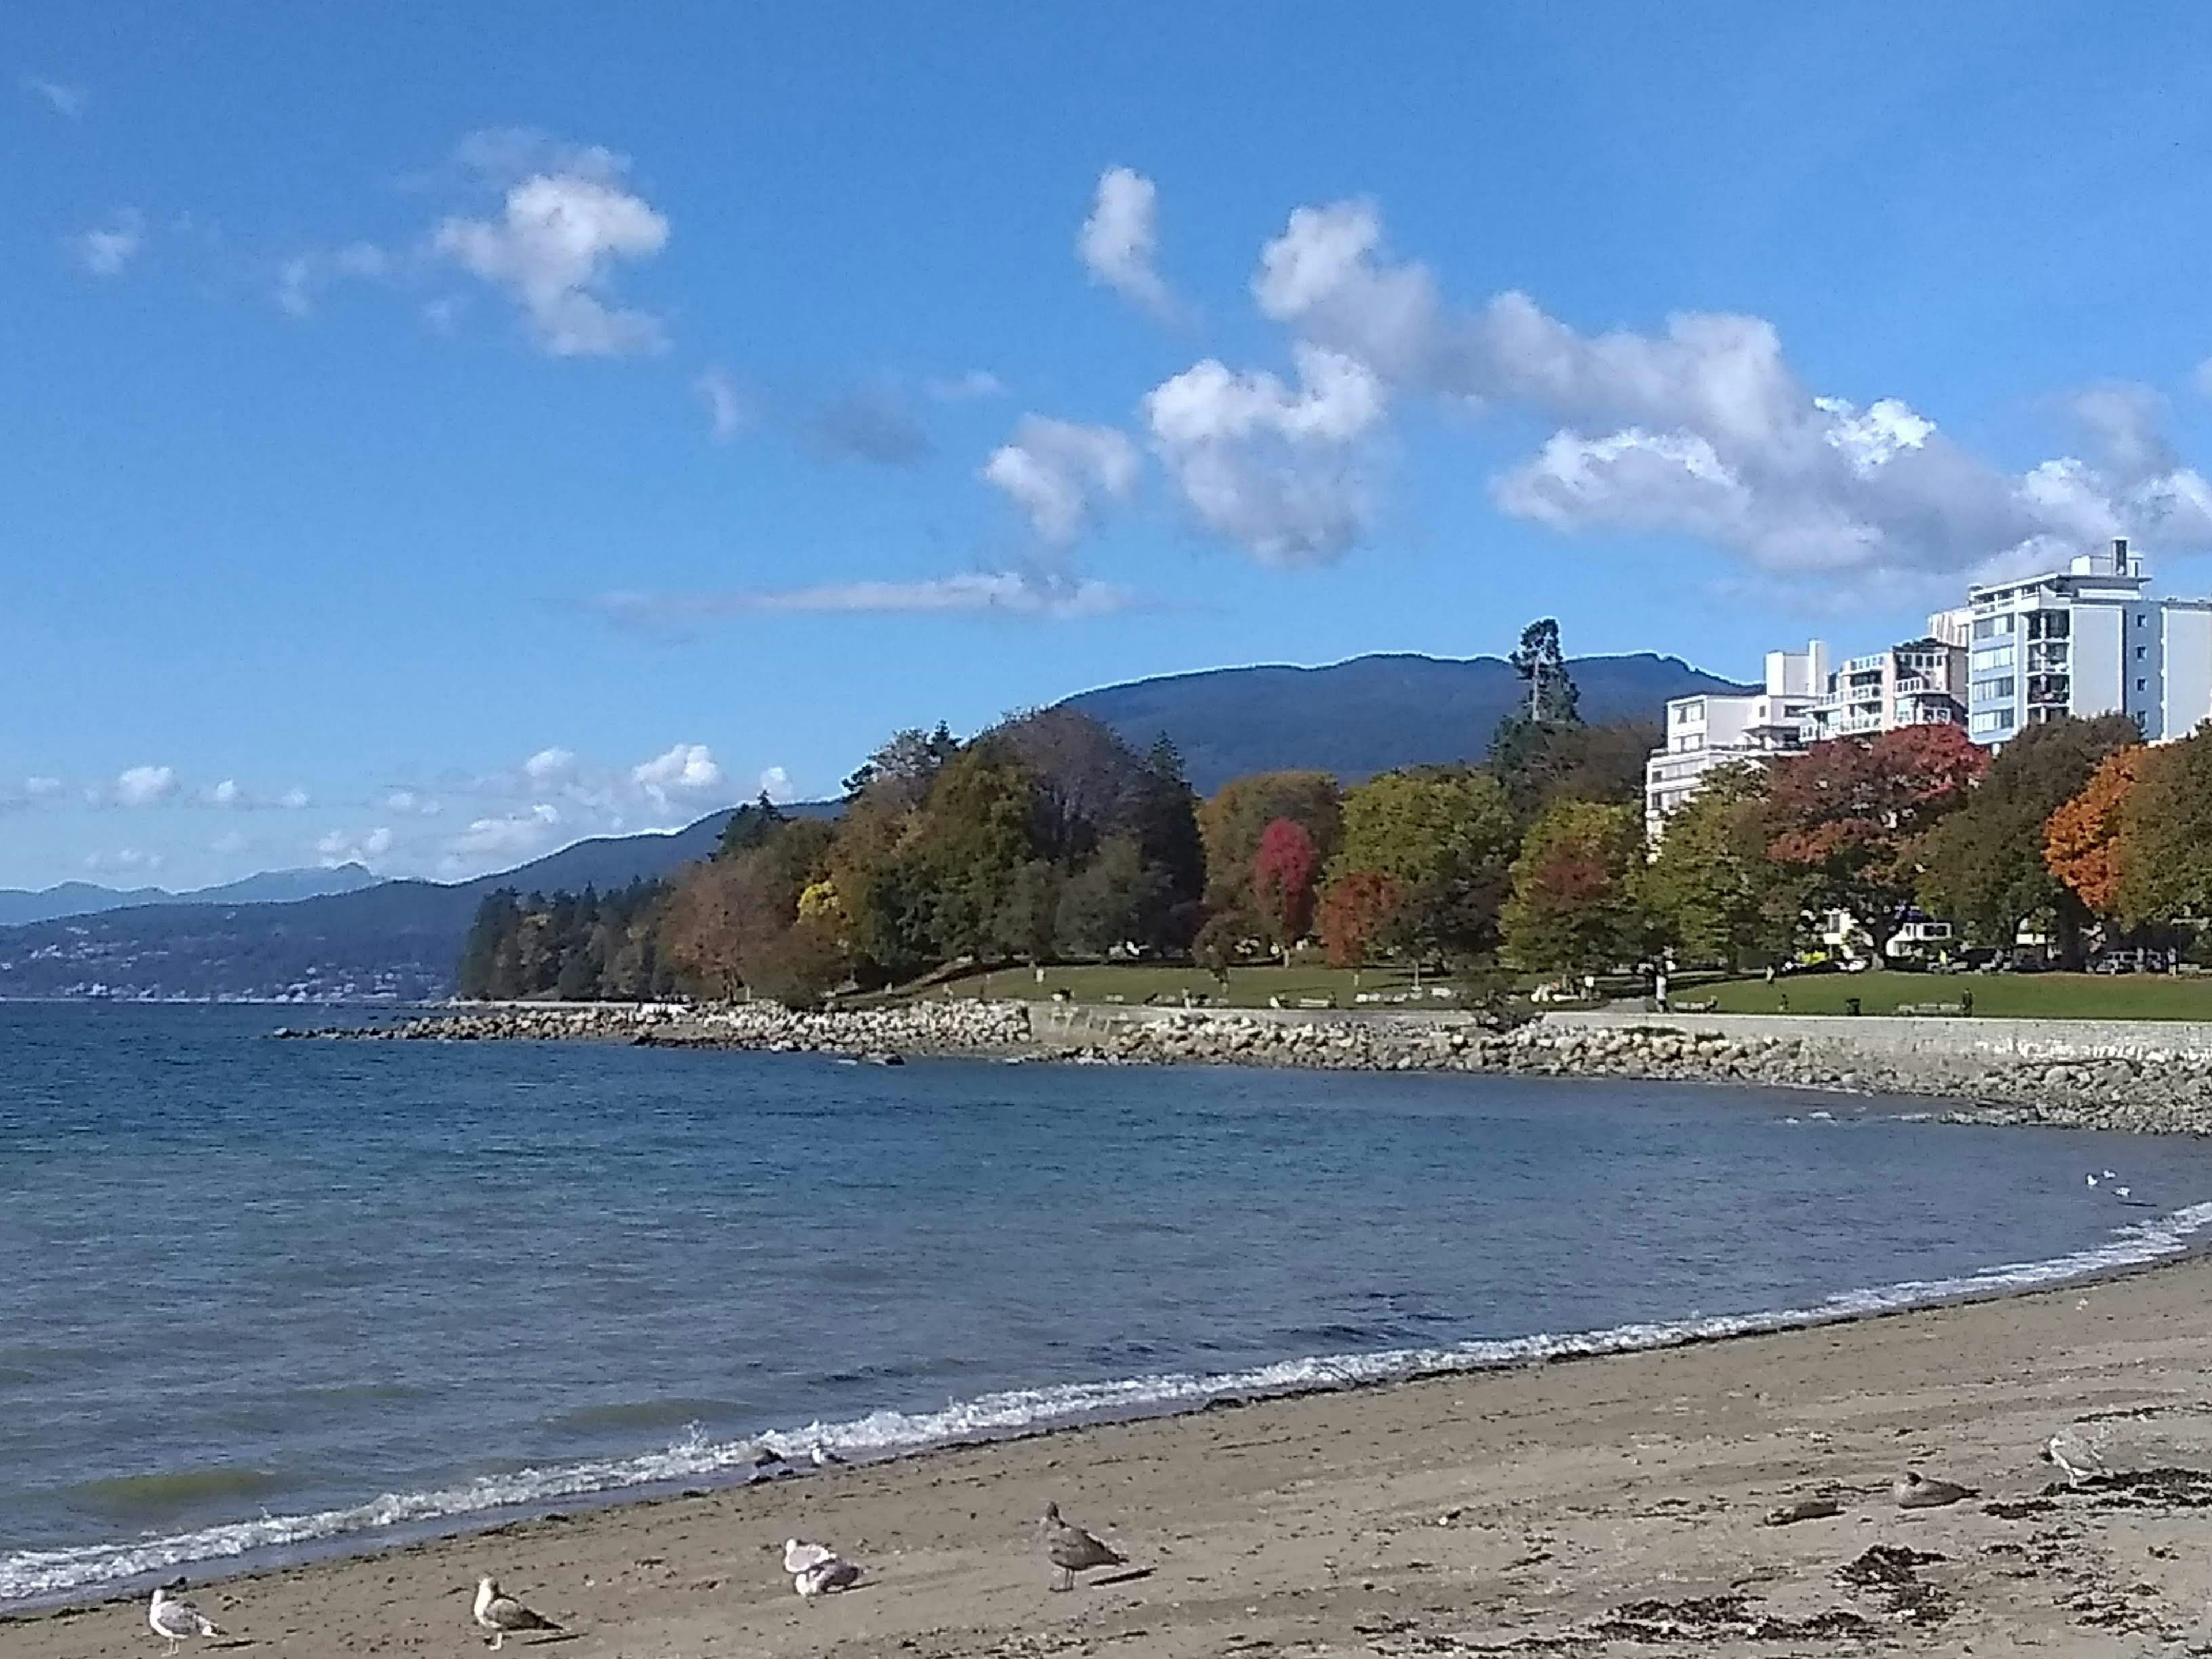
x=146, y=1497
x=45, y=1573
x=646, y=1414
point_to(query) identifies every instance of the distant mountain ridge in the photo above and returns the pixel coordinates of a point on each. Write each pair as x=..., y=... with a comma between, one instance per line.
x=76, y=898
x=1366, y=714
x=402, y=938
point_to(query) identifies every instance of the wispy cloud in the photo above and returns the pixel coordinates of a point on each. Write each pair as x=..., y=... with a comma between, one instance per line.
x=870, y=423
x=62, y=100
x=977, y=383
x=107, y=249
x=727, y=412
x=1027, y=595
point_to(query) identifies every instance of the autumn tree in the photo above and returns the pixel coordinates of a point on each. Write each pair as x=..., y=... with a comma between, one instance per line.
x=1358, y=908
x=1849, y=815
x=1444, y=837
x=1282, y=872
x=2165, y=841
x=2083, y=840
x=1984, y=865
x=1232, y=822
x=1573, y=908
x=1711, y=891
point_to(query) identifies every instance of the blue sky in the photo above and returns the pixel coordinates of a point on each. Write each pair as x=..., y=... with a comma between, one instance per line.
x=431, y=437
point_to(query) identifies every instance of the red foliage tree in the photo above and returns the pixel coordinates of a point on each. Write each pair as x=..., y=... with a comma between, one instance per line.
x=1848, y=813
x=1283, y=872
x=1355, y=909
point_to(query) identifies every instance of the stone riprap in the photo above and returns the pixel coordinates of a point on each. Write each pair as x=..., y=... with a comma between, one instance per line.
x=2146, y=1076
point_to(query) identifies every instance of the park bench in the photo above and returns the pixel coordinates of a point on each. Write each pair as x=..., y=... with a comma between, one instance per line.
x=1928, y=1009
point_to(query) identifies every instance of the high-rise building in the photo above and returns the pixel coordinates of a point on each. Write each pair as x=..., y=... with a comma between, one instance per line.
x=2087, y=640
x=1718, y=729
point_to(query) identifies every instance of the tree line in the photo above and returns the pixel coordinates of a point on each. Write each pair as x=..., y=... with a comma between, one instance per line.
x=1048, y=838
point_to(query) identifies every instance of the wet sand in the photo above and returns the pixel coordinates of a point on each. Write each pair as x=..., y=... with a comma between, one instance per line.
x=1602, y=1506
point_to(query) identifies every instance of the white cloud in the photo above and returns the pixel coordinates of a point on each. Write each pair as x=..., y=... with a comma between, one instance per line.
x=229, y=842
x=106, y=250
x=412, y=800
x=41, y=788
x=225, y=793
x=775, y=784
x=348, y=846
x=726, y=404
x=1281, y=472
x=128, y=858
x=688, y=769
x=550, y=766
x=508, y=837
x=2203, y=378
x=145, y=786
x=966, y=388
x=62, y=100
x=553, y=247
x=1118, y=240
x=1704, y=430
x=301, y=277
x=293, y=800
x=1058, y=473
x=1038, y=595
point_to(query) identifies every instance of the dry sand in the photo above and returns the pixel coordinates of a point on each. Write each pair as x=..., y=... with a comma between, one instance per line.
x=1599, y=1506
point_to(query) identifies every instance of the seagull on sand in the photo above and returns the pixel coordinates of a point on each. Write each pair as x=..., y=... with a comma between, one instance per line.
x=825, y=1578
x=1914, y=1491
x=2075, y=1455
x=821, y=1456
x=816, y=1568
x=1072, y=1550
x=501, y=1615
x=174, y=1620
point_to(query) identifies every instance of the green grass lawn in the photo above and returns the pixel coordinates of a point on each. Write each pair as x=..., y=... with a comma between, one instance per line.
x=1248, y=986
x=2008, y=996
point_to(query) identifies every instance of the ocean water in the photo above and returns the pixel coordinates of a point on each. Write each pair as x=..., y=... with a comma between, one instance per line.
x=261, y=1296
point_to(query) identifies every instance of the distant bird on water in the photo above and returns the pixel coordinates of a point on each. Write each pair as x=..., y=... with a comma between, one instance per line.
x=1914, y=1491
x=1072, y=1550
x=502, y=1615
x=174, y=1620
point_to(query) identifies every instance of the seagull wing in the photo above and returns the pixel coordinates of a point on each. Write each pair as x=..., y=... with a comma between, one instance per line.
x=805, y=1558
x=505, y=1613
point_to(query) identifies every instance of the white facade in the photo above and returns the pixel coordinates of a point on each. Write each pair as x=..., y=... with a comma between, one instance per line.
x=2087, y=641
x=1920, y=683
x=1714, y=730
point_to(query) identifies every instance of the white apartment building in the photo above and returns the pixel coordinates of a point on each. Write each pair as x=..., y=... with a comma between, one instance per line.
x=2084, y=642
x=1922, y=681
x=1721, y=729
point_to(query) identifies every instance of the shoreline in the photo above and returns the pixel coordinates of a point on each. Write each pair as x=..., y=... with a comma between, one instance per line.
x=2142, y=1077
x=1952, y=1386
x=2167, y=1243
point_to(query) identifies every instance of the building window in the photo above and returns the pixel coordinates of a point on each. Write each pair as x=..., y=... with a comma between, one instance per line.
x=2139, y=685
x=2140, y=651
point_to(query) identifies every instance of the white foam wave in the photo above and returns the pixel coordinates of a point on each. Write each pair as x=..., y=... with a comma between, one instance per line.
x=41, y=1574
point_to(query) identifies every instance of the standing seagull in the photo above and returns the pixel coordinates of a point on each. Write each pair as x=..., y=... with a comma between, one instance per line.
x=2075, y=1454
x=801, y=1556
x=500, y=1614
x=174, y=1620
x=1072, y=1550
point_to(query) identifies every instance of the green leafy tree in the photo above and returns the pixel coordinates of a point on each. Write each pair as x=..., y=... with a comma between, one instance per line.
x=1711, y=891
x=1551, y=698
x=2164, y=852
x=978, y=828
x=1119, y=897
x=1539, y=764
x=1444, y=837
x=1983, y=866
x=1573, y=907
x=497, y=921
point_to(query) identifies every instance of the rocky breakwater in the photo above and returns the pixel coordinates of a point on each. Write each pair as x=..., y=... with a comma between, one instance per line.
x=2147, y=1082
x=948, y=1027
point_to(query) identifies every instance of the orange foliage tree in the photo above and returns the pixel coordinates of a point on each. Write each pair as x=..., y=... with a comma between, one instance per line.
x=1355, y=909
x=2085, y=841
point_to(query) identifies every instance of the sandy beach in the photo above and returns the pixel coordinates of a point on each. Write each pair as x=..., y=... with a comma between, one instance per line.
x=1598, y=1506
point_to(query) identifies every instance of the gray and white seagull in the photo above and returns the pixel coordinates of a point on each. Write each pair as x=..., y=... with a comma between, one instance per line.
x=1072, y=1550
x=502, y=1615
x=174, y=1620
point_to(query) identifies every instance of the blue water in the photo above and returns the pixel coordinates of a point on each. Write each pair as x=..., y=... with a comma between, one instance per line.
x=257, y=1293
